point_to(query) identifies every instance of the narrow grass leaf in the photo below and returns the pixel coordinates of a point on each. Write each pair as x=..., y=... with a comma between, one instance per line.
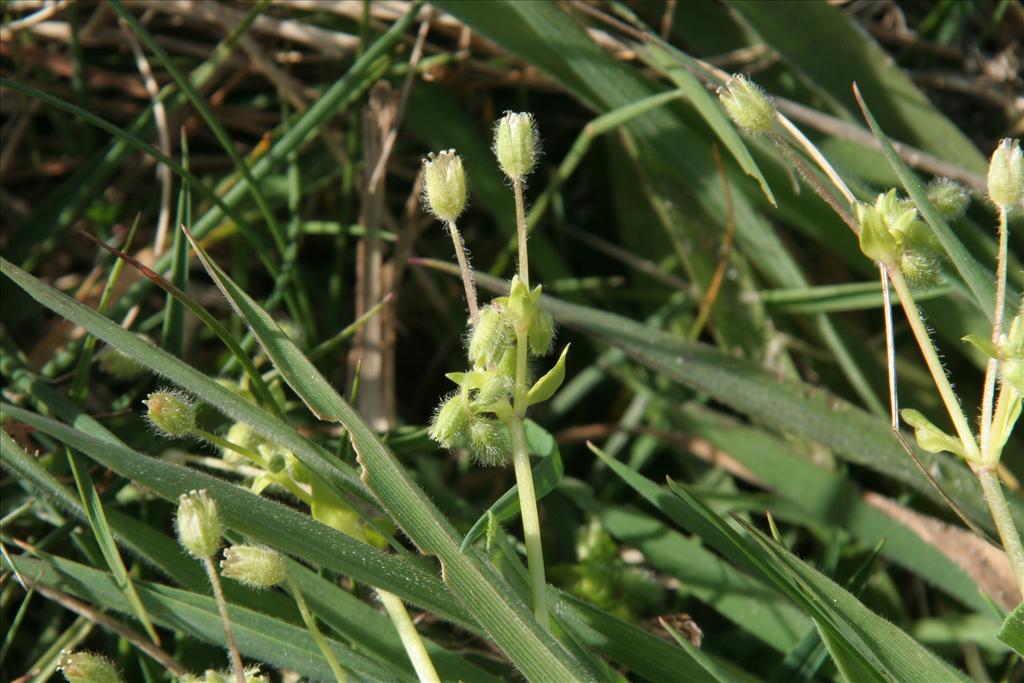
x=1012, y=631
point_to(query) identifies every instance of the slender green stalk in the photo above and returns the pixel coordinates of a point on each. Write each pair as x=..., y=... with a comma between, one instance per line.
x=314, y=630
x=931, y=358
x=467, y=275
x=988, y=454
x=1008, y=533
x=256, y=458
x=520, y=457
x=222, y=606
x=524, y=269
x=410, y=637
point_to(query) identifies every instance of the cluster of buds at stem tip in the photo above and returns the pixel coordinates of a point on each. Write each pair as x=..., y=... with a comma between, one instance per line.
x=85, y=667
x=515, y=144
x=172, y=413
x=198, y=524
x=256, y=566
x=444, y=185
x=252, y=675
x=748, y=105
x=1006, y=175
x=892, y=234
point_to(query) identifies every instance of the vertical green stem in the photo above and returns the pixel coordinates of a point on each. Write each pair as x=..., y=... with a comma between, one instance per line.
x=467, y=275
x=314, y=630
x=524, y=269
x=988, y=456
x=520, y=457
x=1008, y=533
x=222, y=606
x=931, y=358
x=410, y=637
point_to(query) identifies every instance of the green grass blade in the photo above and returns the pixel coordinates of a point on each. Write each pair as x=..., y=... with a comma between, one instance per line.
x=978, y=279
x=495, y=607
x=719, y=673
x=97, y=519
x=173, y=338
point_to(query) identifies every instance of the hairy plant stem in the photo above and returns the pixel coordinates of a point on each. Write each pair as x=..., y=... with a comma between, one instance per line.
x=808, y=175
x=467, y=274
x=410, y=637
x=222, y=606
x=520, y=456
x=1000, y=509
x=314, y=630
x=931, y=358
x=524, y=269
x=989, y=456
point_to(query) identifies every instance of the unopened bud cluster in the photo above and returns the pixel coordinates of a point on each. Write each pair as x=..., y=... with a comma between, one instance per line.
x=949, y=197
x=172, y=413
x=515, y=144
x=251, y=674
x=444, y=185
x=747, y=105
x=198, y=524
x=254, y=565
x=892, y=234
x=1006, y=175
x=85, y=667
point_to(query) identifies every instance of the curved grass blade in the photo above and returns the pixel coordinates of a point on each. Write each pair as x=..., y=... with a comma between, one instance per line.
x=173, y=336
x=977, y=279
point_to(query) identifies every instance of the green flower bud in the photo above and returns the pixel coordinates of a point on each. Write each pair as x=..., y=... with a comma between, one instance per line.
x=450, y=423
x=444, y=185
x=242, y=435
x=949, y=197
x=492, y=334
x=197, y=524
x=489, y=442
x=256, y=566
x=542, y=333
x=84, y=667
x=1006, y=175
x=172, y=413
x=747, y=105
x=876, y=241
x=515, y=144
x=496, y=387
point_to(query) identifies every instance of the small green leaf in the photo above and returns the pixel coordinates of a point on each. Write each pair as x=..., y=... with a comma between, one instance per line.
x=930, y=437
x=1012, y=632
x=546, y=386
x=983, y=344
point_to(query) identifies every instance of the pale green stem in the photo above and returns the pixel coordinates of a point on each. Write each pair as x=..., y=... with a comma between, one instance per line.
x=467, y=275
x=1008, y=533
x=410, y=637
x=988, y=454
x=222, y=606
x=524, y=269
x=931, y=358
x=256, y=458
x=520, y=457
x=314, y=630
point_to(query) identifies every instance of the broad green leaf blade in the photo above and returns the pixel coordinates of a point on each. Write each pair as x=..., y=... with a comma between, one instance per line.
x=977, y=279
x=206, y=389
x=264, y=520
x=545, y=387
x=496, y=607
x=546, y=475
x=259, y=637
x=97, y=519
x=1012, y=632
x=667, y=59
